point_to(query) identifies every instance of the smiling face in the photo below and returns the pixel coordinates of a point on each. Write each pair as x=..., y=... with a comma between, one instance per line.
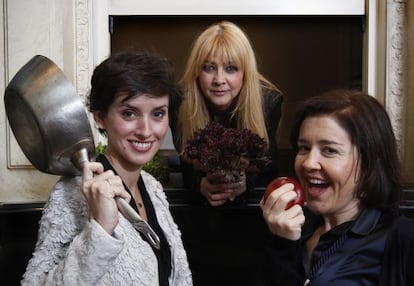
x=327, y=167
x=220, y=82
x=135, y=129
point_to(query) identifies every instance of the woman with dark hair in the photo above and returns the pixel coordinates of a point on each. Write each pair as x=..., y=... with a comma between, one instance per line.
x=350, y=231
x=83, y=238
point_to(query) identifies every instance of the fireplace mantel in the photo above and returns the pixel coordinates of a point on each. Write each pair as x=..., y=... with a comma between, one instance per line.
x=385, y=47
x=99, y=48
x=75, y=35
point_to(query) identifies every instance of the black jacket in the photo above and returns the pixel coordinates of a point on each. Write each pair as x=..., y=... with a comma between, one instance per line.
x=376, y=249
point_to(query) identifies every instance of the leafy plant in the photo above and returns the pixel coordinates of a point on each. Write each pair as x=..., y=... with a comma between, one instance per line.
x=158, y=168
x=217, y=149
x=100, y=148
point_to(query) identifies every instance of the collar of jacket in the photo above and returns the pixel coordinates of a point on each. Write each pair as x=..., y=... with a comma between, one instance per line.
x=367, y=221
x=363, y=225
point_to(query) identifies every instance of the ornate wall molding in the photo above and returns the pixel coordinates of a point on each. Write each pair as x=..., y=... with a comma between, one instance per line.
x=409, y=127
x=83, y=19
x=395, y=97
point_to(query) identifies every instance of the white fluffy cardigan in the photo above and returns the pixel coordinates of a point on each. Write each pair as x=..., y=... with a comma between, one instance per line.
x=73, y=249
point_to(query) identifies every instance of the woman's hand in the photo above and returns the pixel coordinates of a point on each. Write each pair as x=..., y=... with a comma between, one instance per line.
x=100, y=189
x=284, y=223
x=218, y=193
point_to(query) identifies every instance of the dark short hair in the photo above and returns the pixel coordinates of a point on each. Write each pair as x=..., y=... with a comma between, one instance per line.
x=133, y=73
x=369, y=127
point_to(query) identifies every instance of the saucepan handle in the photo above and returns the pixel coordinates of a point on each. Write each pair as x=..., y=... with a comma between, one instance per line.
x=139, y=224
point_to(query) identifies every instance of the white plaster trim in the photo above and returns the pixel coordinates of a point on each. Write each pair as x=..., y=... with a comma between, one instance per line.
x=100, y=30
x=370, y=49
x=83, y=46
x=396, y=68
x=92, y=46
x=237, y=7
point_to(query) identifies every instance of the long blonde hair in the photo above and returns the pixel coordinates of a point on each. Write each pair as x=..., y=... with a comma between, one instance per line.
x=229, y=42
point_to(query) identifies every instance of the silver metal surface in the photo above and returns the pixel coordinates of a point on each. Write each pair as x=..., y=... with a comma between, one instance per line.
x=47, y=117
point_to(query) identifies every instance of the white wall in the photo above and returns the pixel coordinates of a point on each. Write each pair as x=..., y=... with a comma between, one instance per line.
x=30, y=28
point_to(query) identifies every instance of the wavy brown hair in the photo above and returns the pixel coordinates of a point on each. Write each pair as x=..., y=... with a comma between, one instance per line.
x=369, y=127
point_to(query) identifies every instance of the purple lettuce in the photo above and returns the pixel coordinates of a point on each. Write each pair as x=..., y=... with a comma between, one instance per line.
x=216, y=149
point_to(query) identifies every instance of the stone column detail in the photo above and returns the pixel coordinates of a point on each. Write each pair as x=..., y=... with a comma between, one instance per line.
x=83, y=46
x=395, y=97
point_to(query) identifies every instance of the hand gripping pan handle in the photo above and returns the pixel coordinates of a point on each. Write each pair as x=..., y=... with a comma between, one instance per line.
x=78, y=159
x=51, y=126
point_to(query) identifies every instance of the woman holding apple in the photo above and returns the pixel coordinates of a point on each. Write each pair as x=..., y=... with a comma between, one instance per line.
x=221, y=83
x=350, y=232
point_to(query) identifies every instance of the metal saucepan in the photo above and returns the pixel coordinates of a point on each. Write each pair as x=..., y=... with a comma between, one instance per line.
x=47, y=117
x=51, y=126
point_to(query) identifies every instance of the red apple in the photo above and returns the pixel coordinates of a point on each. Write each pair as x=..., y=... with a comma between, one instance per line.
x=276, y=183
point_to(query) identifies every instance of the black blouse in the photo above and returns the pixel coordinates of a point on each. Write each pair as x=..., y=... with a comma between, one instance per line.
x=164, y=253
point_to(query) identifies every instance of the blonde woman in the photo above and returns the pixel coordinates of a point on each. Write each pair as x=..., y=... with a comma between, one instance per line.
x=221, y=83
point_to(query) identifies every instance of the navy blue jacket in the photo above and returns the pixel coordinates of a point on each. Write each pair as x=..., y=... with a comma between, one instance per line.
x=375, y=249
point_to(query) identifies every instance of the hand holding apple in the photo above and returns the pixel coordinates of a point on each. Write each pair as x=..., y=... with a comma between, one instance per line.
x=278, y=182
